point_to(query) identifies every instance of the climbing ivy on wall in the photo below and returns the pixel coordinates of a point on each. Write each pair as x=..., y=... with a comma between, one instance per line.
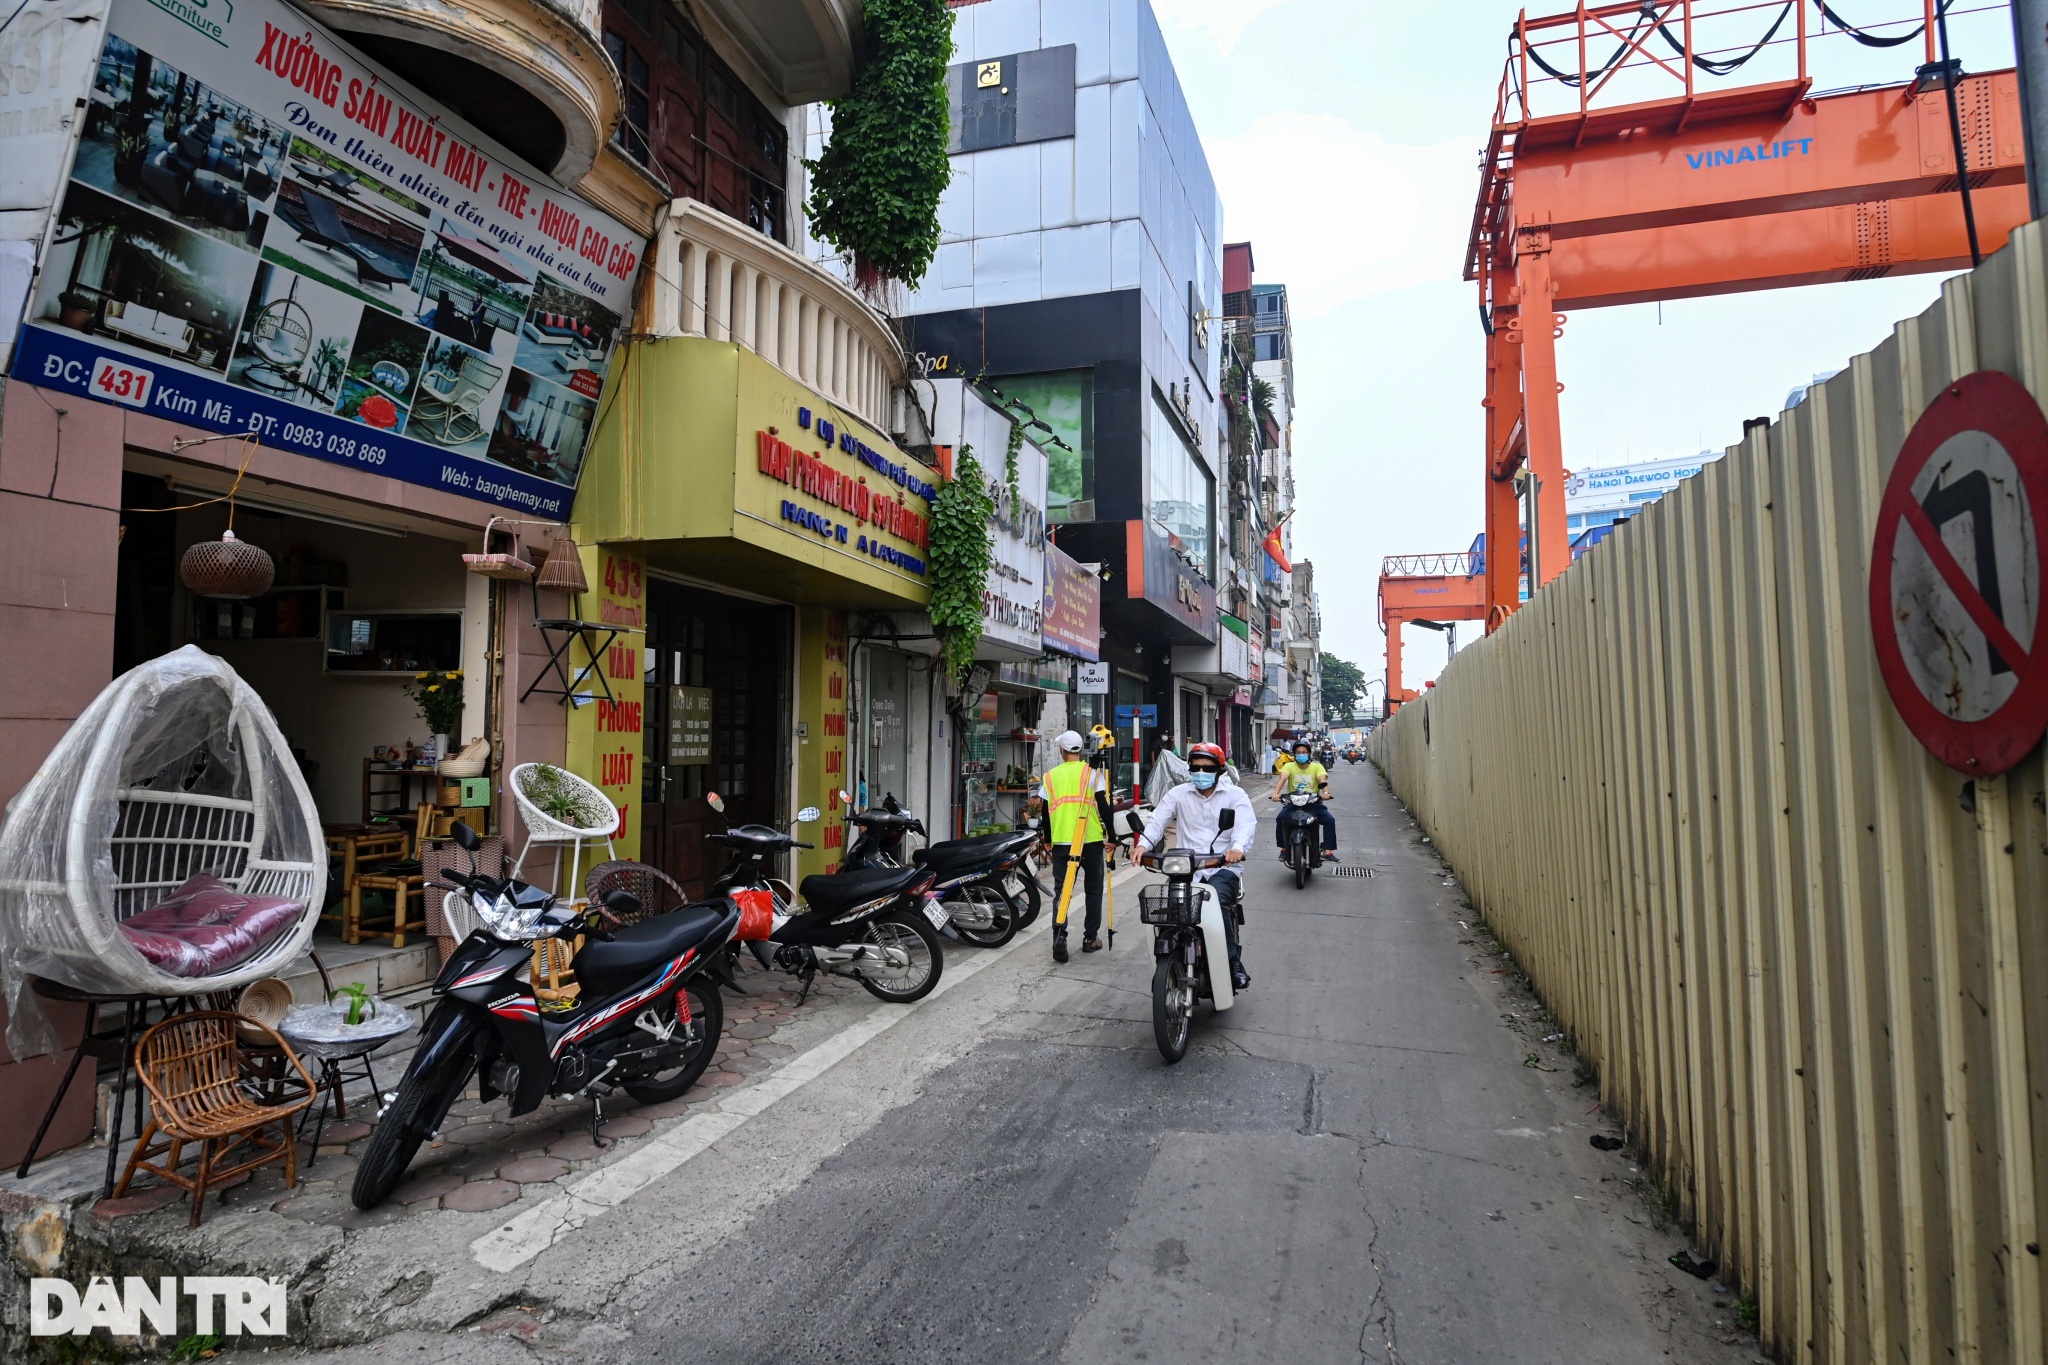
x=1010, y=456
x=961, y=548
x=875, y=191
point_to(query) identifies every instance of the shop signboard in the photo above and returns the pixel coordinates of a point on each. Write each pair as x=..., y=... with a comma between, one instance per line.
x=1092, y=680
x=265, y=233
x=1013, y=601
x=1161, y=577
x=1073, y=607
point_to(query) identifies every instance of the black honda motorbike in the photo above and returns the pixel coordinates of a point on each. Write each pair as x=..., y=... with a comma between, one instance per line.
x=878, y=925
x=647, y=1018
x=1301, y=835
x=984, y=883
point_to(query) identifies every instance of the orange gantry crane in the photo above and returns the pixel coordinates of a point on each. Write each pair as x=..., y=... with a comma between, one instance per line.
x=1431, y=590
x=1613, y=175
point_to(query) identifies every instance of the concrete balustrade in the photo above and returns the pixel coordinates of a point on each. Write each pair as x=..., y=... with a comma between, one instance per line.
x=714, y=277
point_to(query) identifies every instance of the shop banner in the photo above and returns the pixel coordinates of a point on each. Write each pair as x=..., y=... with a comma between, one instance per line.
x=1073, y=606
x=264, y=233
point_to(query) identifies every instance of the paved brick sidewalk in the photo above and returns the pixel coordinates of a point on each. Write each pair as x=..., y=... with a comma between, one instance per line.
x=484, y=1160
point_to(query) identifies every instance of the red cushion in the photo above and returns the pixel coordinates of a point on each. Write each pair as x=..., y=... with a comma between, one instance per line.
x=206, y=926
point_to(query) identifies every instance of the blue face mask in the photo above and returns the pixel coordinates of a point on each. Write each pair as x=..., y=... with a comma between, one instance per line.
x=1203, y=781
x=1301, y=757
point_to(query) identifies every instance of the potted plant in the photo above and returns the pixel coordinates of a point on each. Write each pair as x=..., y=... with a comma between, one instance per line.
x=131, y=148
x=74, y=309
x=439, y=693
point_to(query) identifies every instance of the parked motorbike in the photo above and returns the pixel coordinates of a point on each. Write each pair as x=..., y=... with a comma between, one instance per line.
x=878, y=925
x=1301, y=835
x=1190, y=946
x=647, y=1017
x=985, y=883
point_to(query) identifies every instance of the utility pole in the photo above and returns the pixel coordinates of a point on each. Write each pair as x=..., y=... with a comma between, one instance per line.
x=2030, y=46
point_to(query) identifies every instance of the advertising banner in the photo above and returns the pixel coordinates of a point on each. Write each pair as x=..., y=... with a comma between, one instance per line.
x=264, y=233
x=1073, y=608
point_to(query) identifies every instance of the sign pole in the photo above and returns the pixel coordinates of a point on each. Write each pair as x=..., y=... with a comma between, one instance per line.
x=2030, y=46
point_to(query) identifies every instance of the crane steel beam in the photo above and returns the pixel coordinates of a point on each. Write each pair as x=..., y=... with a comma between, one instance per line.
x=1428, y=588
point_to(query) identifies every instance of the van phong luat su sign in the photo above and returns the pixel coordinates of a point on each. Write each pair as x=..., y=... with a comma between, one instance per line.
x=265, y=233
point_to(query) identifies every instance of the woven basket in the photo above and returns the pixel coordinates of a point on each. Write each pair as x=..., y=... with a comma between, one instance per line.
x=499, y=566
x=470, y=762
x=227, y=568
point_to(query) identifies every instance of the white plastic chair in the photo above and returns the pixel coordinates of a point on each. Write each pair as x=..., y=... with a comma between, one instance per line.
x=595, y=819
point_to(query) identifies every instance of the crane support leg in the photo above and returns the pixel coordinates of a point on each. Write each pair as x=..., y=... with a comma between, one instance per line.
x=1504, y=446
x=1550, y=551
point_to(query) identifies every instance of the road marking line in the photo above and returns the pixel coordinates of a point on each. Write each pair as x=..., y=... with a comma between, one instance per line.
x=511, y=1245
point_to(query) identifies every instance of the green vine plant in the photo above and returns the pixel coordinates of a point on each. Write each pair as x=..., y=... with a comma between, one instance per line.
x=875, y=190
x=1010, y=456
x=961, y=549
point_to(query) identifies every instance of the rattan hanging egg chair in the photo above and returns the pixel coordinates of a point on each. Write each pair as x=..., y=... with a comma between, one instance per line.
x=168, y=846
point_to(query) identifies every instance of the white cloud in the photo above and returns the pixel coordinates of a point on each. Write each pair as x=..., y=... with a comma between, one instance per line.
x=1340, y=214
x=1223, y=20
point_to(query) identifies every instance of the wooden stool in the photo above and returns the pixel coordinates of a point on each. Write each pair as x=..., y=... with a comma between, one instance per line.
x=401, y=887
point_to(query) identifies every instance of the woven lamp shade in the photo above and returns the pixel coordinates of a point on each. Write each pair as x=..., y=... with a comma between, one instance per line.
x=564, y=567
x=227, y=568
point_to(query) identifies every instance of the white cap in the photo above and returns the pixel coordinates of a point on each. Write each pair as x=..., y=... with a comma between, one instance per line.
x=1069, y=742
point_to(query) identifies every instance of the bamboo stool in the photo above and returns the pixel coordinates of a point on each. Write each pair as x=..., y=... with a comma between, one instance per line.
x=193, y=1071
x=401, y=886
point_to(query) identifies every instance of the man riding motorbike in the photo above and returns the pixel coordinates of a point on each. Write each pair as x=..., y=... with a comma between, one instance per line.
x=1298, y=772
x=1193, y=809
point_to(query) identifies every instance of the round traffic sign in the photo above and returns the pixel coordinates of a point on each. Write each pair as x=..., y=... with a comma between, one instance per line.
x=1956, y=576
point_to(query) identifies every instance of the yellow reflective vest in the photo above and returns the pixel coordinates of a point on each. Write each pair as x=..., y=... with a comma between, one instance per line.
x=1070, y=797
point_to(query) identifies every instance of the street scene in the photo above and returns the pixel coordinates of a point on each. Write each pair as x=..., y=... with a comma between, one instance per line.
x=1024, y=680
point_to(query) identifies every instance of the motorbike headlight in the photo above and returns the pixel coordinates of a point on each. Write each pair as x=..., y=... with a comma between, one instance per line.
x=1177, y=865
x=506, y=919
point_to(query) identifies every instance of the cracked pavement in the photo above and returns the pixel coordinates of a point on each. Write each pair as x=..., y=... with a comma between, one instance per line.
x=1359, y=1163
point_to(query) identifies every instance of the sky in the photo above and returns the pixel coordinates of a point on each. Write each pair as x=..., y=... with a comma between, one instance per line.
x=1344, y=136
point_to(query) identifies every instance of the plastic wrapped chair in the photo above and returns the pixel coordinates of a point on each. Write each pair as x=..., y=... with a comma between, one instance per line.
x=175, y=783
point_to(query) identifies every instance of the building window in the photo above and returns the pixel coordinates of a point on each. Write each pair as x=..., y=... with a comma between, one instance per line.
x=1269, y=346
x=631, y=133
x=1181, y=498
x=1064, y=401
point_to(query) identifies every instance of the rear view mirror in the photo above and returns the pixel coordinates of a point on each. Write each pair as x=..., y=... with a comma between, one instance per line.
x=1226, y=818
x=844, y=798
x=465, y=837
x=715, y=801
x=807, y=815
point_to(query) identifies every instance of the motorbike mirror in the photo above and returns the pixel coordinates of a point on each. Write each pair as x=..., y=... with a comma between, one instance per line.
x=465, y=837
x=622, y=903
x=807, y=815
x=844, y=798
x=715, y=801
x=889, y=804
x=1225, y=818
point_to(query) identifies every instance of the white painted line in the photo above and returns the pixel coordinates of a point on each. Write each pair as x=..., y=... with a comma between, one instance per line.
x=513, y=1244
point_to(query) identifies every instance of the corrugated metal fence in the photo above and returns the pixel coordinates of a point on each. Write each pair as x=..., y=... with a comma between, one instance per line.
x=1810, y=962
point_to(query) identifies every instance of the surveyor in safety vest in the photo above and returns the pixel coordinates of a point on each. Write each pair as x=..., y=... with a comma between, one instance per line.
x=1076, y=797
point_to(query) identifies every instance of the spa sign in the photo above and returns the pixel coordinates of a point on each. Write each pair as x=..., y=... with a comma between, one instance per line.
x=265, y=233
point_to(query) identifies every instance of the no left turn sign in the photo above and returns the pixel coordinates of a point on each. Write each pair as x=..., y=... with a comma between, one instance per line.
x=1956, y=576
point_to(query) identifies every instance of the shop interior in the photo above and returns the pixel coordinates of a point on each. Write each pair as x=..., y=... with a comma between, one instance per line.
x=356, y=611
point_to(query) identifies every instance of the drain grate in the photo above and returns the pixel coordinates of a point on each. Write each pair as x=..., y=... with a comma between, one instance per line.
x=1353, y=870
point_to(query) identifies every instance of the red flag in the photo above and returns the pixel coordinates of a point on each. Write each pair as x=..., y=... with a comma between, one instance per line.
x=1274, y=550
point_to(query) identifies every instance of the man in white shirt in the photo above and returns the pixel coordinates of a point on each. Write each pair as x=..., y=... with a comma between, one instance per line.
x=1194, y=809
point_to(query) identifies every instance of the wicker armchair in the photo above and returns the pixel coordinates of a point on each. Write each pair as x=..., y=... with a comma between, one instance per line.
x=194, y=1074
x=656, y=891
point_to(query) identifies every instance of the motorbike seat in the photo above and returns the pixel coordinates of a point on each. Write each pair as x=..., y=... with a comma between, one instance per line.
x=837, y=892
x=953, y=852
x=637, y=949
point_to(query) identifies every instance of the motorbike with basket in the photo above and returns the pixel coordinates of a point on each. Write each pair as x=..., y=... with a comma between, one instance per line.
x=1301, y=835
x=645, y=1016
x=1190, y=943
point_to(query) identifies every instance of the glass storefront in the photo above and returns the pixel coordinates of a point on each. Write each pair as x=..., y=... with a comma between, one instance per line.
x=885, y=767
x=1181, y=492
x=1064, y=401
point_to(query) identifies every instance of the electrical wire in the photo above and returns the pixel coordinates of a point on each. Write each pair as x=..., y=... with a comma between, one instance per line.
x=1721, y=66
x=1871, y=39
x=1628, y=45
x=1955, y=127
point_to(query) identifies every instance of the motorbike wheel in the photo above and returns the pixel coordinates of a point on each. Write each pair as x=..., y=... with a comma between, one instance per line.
x=1301, y=867
x=397, y=1136
x=1023, y=891
x=707, y=1013
x=1173, y=1009
x=1002, y=912
x=910, y=931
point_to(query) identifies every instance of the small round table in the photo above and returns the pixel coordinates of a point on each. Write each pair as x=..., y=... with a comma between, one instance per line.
x=321, y=1035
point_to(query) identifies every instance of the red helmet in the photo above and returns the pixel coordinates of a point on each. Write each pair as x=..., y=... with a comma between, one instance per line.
x=1211, y=751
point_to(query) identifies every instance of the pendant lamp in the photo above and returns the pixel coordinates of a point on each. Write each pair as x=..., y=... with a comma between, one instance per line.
x=227, y=568
x=564, y=567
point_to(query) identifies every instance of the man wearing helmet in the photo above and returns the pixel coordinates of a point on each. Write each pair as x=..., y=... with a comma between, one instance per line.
x=1299, y=772
x=1194, y=809
x=1076, y=798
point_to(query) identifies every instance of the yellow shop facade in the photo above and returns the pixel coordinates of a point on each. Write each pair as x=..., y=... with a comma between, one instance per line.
x=735, y=519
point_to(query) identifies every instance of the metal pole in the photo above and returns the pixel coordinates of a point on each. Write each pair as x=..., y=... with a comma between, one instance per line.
x=2030, y=44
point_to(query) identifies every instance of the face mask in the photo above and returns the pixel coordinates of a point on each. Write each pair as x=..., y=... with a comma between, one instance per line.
x=1203, y=781
x=1301, y=755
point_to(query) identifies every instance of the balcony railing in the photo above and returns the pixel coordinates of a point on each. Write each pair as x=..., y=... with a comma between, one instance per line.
x=715, y=277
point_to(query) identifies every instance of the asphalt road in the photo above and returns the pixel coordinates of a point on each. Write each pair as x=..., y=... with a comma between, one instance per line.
x=1357, y=1164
